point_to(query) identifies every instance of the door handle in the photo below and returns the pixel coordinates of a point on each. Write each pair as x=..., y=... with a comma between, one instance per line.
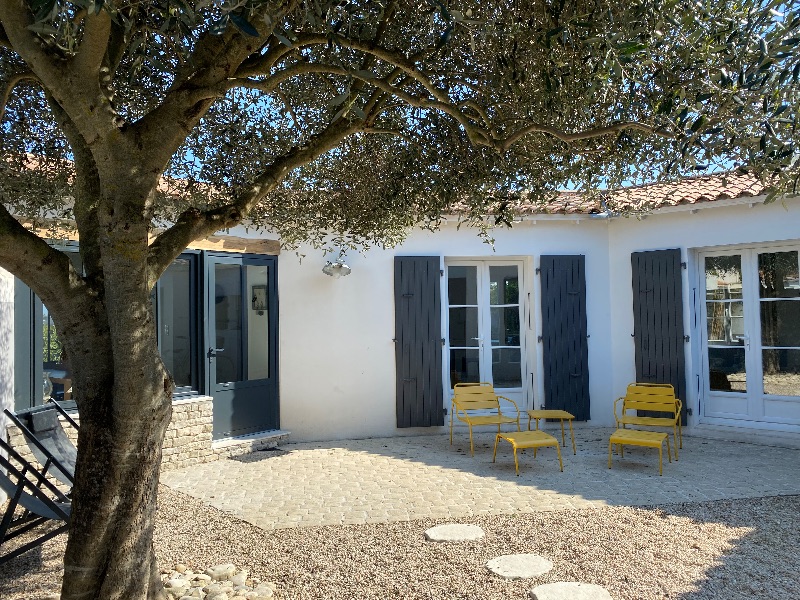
x=212, y=352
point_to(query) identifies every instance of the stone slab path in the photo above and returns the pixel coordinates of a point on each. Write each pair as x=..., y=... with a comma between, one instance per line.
x=400, y=479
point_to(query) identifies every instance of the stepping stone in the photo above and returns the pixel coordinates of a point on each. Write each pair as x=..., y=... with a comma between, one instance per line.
x=571, y=590
x=454, y=533
x=519, y=566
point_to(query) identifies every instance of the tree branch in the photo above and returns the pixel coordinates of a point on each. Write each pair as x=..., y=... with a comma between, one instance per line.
x=213, y=61
x=194, y=224
x=92, y=51
x=15, y=19
x=24, y=254
x=10, y=85
x=567, y=138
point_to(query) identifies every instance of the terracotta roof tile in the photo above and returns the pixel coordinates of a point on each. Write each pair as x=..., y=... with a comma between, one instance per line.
x=706, y=188
x=692, y=190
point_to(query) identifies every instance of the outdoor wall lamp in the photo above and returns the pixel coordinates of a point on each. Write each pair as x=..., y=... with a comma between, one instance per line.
x=338, y=268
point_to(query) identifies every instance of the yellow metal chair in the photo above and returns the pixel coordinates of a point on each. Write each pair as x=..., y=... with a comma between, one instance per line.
x=656, y=397
x=477, y=404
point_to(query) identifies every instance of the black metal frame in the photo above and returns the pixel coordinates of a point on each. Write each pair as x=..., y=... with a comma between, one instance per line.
x=69, y=476
x=11, y=527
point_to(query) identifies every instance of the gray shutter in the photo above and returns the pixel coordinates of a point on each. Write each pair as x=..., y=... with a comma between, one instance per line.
x=418, y=341
x=658, y=319
x=564, y=334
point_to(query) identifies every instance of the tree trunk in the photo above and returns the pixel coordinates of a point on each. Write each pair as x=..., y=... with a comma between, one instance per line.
x=109, y=553
x=124, y=398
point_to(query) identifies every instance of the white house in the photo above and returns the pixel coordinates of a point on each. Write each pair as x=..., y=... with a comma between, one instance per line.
x=567, y=307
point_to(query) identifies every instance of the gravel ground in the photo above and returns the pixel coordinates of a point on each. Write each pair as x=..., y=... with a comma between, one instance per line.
x=731, y=550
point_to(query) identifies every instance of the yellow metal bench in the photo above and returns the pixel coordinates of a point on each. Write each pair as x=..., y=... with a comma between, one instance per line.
x=634, y=437
x=528, y=439
x=656, y=397
x=477, y=404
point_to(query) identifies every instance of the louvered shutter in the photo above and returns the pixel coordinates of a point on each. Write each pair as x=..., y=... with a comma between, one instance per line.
x=564, y=334
x=418, y=341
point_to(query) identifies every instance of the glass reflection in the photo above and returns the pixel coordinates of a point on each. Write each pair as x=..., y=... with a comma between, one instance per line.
x=780, y=323
x=504, y=285
x=464, y=326
x=228, y=322
x=464, y=367
x=462, y=285
x=174, y=321
x=506, y=368
x=725, y=322
x=257, y=322
x=723, y=277
x=781, y=372
x=726, y=369
x=505, y=326
x=778, y=275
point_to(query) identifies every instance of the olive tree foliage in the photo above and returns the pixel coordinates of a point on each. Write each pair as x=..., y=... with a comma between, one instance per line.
x=148, y=125
x=476, y=100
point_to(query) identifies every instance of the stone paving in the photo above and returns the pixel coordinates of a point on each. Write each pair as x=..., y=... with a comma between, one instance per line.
x=398, y=479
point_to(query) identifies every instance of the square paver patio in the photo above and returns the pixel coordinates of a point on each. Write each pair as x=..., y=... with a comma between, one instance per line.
x=397, y=479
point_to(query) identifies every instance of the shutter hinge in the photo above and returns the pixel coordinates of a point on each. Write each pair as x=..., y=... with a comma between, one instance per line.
x=538, y=270
x=539, y=339
x=408, y=295
x=689, y=411
x=686, y=338
x=444, y=410
x=684, y=265
x=442, y=341
x=441, y=274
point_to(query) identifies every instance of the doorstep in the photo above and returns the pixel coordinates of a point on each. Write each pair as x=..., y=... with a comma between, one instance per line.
x=244, y=444
x=746, y=435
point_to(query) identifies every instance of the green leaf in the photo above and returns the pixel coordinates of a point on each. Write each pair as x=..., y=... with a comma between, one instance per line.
x=340, y=99
x=287, y=42
x=43, y=29
x=244, y=25
x=698, y=123
x=44, y=10
x=704, y=97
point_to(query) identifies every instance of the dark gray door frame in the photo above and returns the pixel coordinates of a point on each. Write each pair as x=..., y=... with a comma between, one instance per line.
x=244, y=393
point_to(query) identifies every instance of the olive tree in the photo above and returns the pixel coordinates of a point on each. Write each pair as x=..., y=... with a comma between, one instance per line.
x=147, y=125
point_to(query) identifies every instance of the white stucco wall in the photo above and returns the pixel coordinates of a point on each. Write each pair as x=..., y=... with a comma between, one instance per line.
x=337, y=360
x=6, y=349
x=337, y=365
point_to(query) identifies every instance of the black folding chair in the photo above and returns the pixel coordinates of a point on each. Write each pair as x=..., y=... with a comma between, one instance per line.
x=47, y=440
x=33, y=501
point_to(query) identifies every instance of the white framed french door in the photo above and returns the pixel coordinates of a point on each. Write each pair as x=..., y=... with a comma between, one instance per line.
x=751, y=338
x=485, y=325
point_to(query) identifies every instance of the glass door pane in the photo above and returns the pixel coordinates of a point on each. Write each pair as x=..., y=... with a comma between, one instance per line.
x=504, y=309
x=463, y=324
x=257, y=322
x=176, y=325
x=779, y=300
x=725, y=324
x=228, y=322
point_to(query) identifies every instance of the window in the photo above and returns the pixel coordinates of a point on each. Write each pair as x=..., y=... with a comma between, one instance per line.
x=47, y=372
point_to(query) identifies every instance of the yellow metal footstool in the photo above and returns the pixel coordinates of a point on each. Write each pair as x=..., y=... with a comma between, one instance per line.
x=528, y=439
x=634, y=437
x=561, y=415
